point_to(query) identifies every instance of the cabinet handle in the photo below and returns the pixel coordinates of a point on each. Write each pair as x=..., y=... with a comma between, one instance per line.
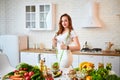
x=39, y=57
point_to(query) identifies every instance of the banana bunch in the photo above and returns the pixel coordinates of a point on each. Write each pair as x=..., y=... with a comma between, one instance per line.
x=86, y=65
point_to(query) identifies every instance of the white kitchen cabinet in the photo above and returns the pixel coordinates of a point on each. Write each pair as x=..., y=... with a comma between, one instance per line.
x=34, y=58
x=52, y=58
x=75, y=61
x=46, y=57
x=40, y=16
x=30, y=58
x=49, y=59
x=115, y=61
x=91, y=58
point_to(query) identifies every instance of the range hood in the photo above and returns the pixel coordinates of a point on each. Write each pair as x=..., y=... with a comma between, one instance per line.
x=92, y=17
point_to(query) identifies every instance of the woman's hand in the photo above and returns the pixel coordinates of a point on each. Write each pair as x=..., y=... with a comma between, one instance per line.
x=63, y=46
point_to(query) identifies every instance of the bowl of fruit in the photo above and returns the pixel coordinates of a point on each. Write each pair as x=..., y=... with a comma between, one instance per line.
x=56, y=70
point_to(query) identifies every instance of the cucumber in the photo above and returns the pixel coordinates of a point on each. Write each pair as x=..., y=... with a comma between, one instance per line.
x=11, y=73
x=8, y=75
x=38, y=78
x=35, y=76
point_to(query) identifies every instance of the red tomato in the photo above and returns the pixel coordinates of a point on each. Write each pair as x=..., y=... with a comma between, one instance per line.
x=21, y=69
x=24, y=69
x=27, y=78
x=26, y=74
x=31, y=73
x=16, y=71
x=49, y=78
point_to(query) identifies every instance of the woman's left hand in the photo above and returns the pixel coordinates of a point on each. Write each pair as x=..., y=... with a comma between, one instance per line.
x=63, y=46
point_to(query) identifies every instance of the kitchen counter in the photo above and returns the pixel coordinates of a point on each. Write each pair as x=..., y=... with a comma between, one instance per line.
x=52, y=51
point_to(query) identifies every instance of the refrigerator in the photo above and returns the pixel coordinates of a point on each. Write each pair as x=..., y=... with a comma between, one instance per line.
x=11, y=46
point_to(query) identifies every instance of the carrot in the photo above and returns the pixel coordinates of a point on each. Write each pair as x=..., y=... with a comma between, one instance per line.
x=15, y=76
x=17, y=79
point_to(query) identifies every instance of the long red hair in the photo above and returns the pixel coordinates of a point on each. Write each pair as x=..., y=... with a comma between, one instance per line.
x=61, y=28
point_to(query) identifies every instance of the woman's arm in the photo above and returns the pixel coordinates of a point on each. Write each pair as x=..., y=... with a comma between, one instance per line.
x=75, y=47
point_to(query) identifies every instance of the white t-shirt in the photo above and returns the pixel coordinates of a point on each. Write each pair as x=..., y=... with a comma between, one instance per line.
x=65, y=56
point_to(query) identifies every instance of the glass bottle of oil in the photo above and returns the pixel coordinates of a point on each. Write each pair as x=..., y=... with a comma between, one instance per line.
x=42, y=65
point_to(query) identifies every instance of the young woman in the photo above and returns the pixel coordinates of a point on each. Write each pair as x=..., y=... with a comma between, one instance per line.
x=65, y=41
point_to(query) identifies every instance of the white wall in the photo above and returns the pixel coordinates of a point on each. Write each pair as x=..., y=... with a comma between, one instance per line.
x=2, y=17
x=96, y=37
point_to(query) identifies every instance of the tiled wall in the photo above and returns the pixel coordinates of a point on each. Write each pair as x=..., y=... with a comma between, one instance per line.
x=2, y=17
x=96, y=37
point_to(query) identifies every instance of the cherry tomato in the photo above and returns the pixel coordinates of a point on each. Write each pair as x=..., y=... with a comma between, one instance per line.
x=25, y=69
x=16, y=71
x=26, y=74
x=31, y=73
x=21, y=69
x=27, y=78
x=49, y=78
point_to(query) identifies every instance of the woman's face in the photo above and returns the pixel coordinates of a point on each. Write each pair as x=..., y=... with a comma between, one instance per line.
x=65, y=22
